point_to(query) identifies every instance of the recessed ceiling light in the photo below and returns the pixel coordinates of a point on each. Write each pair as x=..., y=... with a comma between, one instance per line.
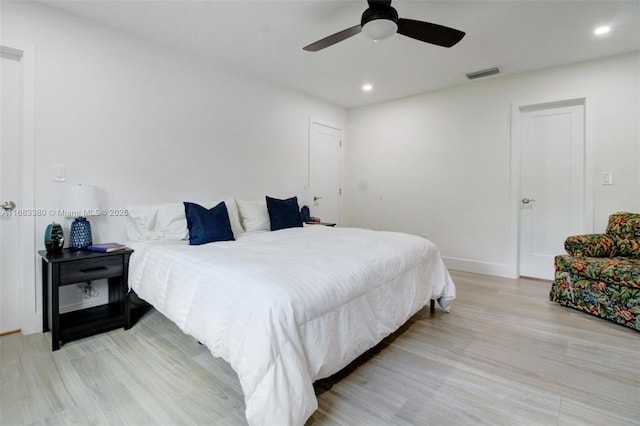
x=602, y=30
x=367, y=87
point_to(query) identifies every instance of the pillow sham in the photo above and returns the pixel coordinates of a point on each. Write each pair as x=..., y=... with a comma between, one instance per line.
x=156, y=222
x=207, y=225
x=283, y=213
x=234, y=216
x=253, y=215
x=168, y=221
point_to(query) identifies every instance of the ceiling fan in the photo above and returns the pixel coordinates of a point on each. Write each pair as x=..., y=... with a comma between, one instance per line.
x=381, y=21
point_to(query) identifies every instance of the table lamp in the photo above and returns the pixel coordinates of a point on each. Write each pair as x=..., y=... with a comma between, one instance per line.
x=81, y=201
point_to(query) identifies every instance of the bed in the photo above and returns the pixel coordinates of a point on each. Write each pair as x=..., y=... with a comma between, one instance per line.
x=288, y=307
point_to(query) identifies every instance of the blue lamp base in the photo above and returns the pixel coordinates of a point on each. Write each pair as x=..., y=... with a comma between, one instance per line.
x=80, y=234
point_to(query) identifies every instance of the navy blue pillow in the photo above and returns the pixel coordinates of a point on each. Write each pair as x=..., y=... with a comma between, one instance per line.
x=207, y=225
x=284, y=213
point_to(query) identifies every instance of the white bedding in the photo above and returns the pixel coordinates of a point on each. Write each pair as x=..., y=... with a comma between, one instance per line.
x=286, y=308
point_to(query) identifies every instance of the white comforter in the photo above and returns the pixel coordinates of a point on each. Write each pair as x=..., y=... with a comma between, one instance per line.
x=286, y=308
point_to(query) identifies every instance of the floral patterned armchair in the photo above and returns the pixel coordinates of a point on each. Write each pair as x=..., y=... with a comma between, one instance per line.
x=601, y=272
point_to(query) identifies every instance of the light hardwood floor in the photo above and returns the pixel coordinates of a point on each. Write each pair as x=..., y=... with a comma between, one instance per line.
x=505, y=355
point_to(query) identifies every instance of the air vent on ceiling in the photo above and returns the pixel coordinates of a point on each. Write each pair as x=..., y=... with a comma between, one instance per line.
x=483, y=73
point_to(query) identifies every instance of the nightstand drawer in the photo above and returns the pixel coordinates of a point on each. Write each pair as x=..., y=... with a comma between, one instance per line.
x=90, y=269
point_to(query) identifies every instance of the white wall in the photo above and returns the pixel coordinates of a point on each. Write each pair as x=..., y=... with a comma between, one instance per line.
x=438, y=164
x=148, y=124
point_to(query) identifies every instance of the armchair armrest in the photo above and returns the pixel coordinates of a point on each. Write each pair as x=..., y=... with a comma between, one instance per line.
x=590, y=245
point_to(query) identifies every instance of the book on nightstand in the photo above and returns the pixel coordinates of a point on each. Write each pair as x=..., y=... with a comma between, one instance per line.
x=106, y=247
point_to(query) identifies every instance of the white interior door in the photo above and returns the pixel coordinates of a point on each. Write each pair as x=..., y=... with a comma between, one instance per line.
x=551, y=184
x=325, y=164
x=10, y=289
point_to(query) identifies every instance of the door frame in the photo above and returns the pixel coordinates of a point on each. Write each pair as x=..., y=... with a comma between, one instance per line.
x=518, y=108
x=340, y=166
x=30, y=309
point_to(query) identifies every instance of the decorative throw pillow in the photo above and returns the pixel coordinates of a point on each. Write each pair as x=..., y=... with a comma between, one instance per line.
x=284, y=213
x=253, y=215
x=207, y=225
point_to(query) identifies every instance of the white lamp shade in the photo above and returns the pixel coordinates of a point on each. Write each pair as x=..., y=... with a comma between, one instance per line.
x=81, y=201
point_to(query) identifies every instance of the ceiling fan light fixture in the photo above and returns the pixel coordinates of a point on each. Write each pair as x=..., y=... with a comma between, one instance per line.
x=381, y=21
x=379, y=29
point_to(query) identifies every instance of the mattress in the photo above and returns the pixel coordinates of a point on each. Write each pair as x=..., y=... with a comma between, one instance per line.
x=288, y=307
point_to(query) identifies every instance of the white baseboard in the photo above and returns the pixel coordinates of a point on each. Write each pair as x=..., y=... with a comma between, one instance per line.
x=503, y=270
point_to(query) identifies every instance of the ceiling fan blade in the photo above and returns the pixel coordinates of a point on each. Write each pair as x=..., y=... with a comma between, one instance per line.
x=333, y=39
x=429, y=33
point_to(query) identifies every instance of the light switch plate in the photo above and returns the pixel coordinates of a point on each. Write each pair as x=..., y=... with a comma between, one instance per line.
x=57, y=172
x=607, y=178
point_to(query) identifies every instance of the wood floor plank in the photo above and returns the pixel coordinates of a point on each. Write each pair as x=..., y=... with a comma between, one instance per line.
x=505, y=355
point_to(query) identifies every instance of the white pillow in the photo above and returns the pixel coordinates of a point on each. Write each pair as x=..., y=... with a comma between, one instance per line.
x=168, y=221
x=234, y=216
x=157, y=222
x=254, y=215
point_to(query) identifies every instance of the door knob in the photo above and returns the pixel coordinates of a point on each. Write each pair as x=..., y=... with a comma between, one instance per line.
x=8, y=205
x=316, y=198
x=527, y=200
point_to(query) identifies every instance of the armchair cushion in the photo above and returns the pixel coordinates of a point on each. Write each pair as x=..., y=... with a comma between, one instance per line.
x=590, y=245
x=614, y=270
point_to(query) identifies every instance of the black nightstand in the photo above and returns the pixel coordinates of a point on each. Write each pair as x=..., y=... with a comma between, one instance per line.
x=78, y=266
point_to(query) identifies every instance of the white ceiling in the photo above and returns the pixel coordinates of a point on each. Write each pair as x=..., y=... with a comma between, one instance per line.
x=265, y=38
